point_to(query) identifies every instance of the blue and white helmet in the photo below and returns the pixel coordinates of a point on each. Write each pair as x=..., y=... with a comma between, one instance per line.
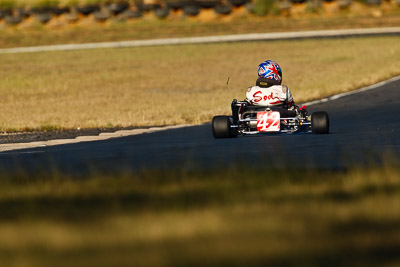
x=270, y=70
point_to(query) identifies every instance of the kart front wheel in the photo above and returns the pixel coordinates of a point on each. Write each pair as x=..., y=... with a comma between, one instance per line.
x=221, y=127
x=320, y=122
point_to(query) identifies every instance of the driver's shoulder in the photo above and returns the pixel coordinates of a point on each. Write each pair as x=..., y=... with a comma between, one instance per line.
x=284, y=88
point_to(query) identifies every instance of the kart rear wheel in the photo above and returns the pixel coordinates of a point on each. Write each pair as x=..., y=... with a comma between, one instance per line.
x=320, y=122
x=221, y=127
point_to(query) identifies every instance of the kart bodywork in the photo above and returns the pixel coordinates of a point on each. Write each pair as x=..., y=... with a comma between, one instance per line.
x=250, y=119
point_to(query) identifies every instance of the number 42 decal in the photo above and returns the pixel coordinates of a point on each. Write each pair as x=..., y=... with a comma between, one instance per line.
x=268, y=121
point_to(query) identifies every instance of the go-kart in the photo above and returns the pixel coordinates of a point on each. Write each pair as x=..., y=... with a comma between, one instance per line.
x=250, y=119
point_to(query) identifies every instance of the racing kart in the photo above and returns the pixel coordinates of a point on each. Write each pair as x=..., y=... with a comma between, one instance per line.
x=250, y=119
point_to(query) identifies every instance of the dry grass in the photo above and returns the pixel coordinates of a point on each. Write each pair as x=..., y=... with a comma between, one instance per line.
x=59, y=31
x=231, y=217
x=176, y=84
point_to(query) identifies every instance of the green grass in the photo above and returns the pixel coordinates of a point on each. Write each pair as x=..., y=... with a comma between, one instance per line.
x=176, y=84
x=226, y=217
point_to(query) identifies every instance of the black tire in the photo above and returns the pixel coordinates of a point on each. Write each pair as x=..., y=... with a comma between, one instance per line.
x=43, y=18
x=101, y=16
x=221, y=127
x=191, y=10
x=148, y=7
x=223, y=9
x=374, y=2
x=52, y=10
x=87, y=9
x=206, y=3
x=131, y=14
x=161, y=13
x=238, y=3
x=117, y=8
x=5, y=12
x=57, y=11
x=178, y=4
x=320, y=122
x=13, y=20
x=23, y=13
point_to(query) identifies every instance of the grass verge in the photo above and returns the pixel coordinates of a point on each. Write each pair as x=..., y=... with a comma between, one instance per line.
x=176, y=84
x=58, y=31
x=232, y=217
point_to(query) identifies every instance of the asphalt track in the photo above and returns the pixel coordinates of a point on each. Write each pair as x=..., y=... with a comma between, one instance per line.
x=365, y=129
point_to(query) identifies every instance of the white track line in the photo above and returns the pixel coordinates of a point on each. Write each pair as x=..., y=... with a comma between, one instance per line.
x=363, y=89
x=207, y=39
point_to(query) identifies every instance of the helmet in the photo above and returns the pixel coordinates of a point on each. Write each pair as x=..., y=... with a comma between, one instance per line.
x=270, y=70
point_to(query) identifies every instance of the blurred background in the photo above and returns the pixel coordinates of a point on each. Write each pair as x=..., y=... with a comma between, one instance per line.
x=233, y=215
x=61, y=13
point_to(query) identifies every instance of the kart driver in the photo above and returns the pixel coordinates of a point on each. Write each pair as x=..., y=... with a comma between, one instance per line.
x=269, y=90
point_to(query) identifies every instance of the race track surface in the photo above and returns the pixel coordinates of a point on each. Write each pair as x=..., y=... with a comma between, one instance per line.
x=209, y=39
x=365, y=129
